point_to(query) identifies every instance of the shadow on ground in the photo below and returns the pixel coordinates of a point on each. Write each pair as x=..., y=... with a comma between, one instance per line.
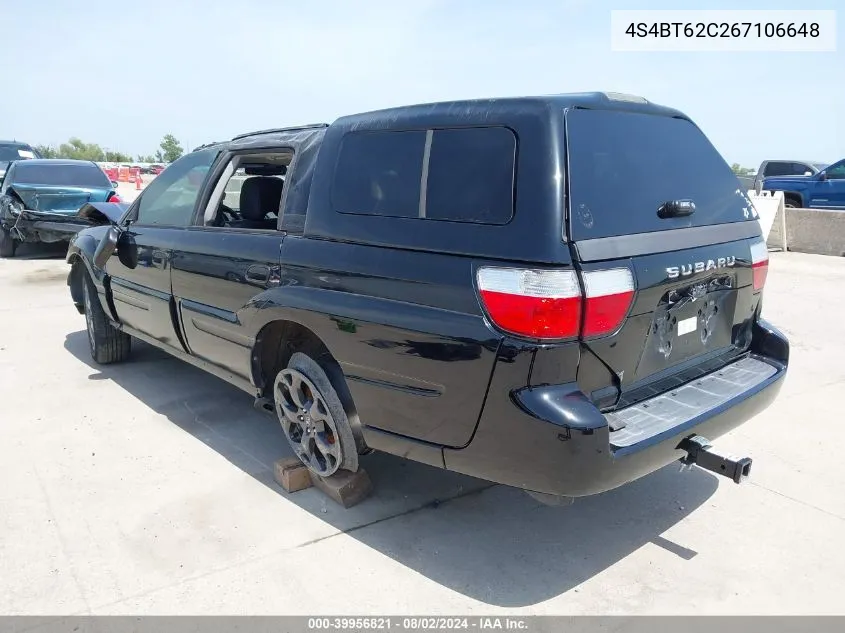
x=39, y=250
x=492, y=543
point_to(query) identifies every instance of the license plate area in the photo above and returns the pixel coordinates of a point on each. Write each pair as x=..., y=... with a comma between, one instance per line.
x=690, y=321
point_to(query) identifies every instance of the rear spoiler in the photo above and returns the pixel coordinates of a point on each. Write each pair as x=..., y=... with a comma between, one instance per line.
x=103, y=212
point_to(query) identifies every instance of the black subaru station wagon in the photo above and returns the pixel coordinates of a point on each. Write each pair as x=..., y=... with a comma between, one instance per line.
x=560, y=294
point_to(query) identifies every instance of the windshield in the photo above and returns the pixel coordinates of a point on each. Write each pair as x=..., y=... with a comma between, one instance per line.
x=623, y=166
x=62, y=175
x=16, y=152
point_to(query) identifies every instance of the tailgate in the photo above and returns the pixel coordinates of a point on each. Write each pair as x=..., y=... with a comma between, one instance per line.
x=649, y=193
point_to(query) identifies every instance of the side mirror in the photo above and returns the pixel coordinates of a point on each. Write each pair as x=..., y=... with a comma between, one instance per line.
x=822, y=176
x=127, y=250
x=106, y=247
x=118, y=240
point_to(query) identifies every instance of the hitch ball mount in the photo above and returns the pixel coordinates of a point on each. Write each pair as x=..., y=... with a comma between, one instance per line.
x=701, y=453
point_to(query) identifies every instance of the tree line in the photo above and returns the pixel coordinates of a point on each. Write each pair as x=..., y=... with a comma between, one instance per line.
x=739, y=170
x=169, y=150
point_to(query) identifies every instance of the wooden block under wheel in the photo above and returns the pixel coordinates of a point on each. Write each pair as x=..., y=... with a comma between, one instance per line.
x=344, y=487
x=291, y=474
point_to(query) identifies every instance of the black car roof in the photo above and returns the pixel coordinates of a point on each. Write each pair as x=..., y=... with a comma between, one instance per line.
x=472, y=107
x=410, y=114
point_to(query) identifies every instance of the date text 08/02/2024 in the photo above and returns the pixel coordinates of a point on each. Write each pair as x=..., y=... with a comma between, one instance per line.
x=423, y=623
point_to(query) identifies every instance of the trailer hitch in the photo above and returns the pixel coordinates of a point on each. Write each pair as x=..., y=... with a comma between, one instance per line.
x=700, y=453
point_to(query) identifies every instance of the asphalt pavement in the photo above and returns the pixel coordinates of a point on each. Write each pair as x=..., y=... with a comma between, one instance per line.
x=146, y=488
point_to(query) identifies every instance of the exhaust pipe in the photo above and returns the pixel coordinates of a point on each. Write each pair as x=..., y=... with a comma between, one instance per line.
x=700, y=453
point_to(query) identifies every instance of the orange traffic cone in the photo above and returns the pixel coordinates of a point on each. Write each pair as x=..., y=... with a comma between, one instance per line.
x=138, y=182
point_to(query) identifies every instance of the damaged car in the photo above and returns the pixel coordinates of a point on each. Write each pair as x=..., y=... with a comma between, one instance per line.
x=40, y=200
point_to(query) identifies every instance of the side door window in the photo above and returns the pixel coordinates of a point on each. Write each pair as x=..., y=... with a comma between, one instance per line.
x=169, y=200
x=836, y=171
x=248, y=192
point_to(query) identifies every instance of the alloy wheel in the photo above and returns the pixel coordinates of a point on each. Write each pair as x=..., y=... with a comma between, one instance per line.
x=307, y=422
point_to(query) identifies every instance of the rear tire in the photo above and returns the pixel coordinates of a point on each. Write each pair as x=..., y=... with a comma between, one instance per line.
x=791, y=203
x=313, y=418
x=8, y=244
x=106, y=342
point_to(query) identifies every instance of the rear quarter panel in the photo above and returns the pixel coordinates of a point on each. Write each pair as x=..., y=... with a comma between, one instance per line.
x=395, y=299
x=404, y=326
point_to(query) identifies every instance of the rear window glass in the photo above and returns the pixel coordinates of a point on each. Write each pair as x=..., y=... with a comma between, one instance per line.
x=624, y=166
x=777, y=168
x=61, y=175
x=470, y=175
x=802, y=169
x=16, y=152
x=378, y=173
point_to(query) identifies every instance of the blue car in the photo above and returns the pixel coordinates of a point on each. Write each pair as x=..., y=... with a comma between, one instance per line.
x=40, y=200
x=824, y=190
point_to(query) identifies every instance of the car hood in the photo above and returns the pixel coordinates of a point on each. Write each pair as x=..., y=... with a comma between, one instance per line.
x=796, y=179
x=103, y=212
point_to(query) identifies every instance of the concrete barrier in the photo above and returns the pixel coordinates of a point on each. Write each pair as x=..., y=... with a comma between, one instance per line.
x=809, y=231
x=769, y=207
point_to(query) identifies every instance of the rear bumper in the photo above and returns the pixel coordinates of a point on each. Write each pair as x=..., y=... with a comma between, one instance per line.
x=554, y=440
x=47, y=227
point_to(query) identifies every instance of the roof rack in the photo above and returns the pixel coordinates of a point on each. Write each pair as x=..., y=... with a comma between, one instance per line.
x=204, y=145
x=282, y=129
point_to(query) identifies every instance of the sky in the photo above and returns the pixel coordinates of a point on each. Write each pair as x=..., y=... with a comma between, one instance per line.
x=124, y=74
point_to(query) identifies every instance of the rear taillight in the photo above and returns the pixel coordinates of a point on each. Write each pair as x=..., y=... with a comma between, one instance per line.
x=534, y=303
x=759, y=264
x=114, y=198
x=609, y=294
x=549, y=304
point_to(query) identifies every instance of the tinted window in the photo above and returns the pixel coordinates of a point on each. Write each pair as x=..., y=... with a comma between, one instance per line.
x=82, y=175
x=16, y=152
x=777, y=168
x=799, y=169
x=470, y=175
x=624, y=166
x=171, y=197
x=378, y=173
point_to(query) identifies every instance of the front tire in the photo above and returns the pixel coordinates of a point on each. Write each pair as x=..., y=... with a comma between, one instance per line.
x=8, y=244
x=107, y=343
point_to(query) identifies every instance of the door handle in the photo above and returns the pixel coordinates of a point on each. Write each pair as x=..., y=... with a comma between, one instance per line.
x=159, y=258
x=258, y=274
